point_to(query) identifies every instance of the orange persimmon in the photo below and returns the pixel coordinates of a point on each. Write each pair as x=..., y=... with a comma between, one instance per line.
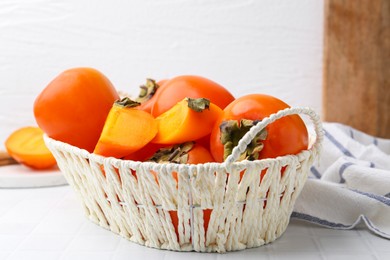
x=177, y=88
x=188, y=120
x=144, y=153
x=147, y=95
x=26, y=146
x=204, y=141
x=126, y=130
x=287, y=135
x=199, y=154
x=185, y=153
x=73, y=107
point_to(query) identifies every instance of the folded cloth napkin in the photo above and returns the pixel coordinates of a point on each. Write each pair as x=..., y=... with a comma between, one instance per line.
x=350, y=184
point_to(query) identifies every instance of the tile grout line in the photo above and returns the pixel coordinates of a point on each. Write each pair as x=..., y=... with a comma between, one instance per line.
x=13, y=207
x=29, y=234
x=76, y=234
x=367, y=243
x=314, y=237
x=65, y=251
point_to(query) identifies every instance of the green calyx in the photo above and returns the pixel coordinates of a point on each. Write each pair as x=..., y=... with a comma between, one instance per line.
x=231, y=133
x=173, y=154
x=147, y=91
x=127, y=102
x=198, y=104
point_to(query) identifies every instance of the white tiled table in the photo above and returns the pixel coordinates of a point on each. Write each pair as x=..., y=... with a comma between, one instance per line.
x=48, y=223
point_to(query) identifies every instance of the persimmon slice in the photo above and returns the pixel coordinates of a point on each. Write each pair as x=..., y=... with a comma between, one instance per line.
x=26, y=146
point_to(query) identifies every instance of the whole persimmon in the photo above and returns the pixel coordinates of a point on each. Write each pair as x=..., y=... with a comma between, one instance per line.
x=74, y=106
x=189, y=86
x=287, y=135
x=148, y=94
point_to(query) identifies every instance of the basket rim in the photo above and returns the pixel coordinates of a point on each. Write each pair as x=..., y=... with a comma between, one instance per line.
x=314, y=148
x=282, y=160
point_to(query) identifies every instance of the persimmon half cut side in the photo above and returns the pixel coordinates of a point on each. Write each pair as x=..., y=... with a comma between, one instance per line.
x=126, y=130
x=188, y=120
x=26, y=146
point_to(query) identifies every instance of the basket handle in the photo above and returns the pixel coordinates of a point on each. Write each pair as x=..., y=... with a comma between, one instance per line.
x=251, y=134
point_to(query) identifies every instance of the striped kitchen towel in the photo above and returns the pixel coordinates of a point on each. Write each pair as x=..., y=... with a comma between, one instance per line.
x=351, y=183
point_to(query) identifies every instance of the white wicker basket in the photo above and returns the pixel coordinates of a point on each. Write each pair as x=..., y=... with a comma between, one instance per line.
x=124, y=197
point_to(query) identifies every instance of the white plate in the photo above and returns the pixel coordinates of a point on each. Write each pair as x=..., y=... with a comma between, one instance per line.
x=20, y=176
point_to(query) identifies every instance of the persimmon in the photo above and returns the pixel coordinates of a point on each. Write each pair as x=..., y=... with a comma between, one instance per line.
x=287, y=135
x=144, y=153
x=204, y=141
x=189, y=86
x=141, y=155
x=26, y=146
x=73, y=107
x=187, y=153
x=126, y=130
x=188, y=120
x=147, y=95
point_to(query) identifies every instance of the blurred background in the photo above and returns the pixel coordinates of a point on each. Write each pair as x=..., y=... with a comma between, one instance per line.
x=271, y=47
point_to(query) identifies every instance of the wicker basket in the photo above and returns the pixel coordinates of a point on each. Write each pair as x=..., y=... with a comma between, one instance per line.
x=124, y=197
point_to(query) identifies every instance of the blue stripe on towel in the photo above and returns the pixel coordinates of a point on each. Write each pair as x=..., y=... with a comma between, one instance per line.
x=342, y=169
x=319, y=221
x=375, y=141
x=315, y=172
x=379, y=198
x=333, y=225
x=344, y=166
x=344, y=150
x=351, y=133
x=373, y=228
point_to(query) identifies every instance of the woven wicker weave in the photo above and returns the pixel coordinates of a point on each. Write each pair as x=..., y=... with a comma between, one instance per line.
x=124, y=197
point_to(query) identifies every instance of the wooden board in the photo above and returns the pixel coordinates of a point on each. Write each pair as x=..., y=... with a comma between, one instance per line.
x=356, y=87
